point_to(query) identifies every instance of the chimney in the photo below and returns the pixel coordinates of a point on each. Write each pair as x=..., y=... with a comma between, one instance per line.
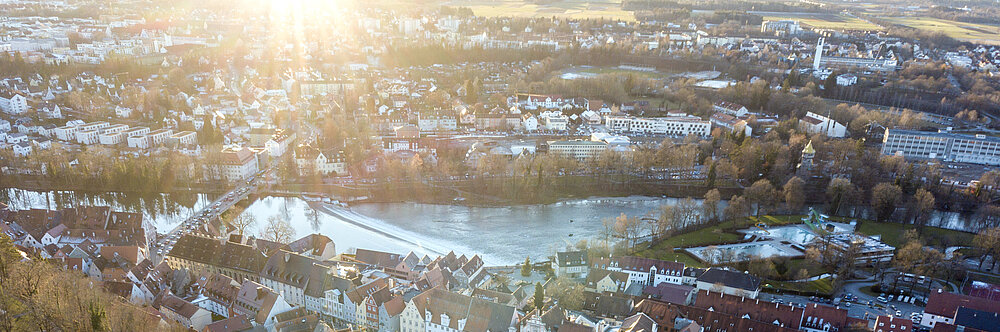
x=260, y=293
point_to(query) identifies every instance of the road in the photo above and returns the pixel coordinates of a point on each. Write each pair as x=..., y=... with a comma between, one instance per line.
x=165, y=243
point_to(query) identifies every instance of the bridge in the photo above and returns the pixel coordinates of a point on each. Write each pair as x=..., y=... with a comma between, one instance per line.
x=211, y=211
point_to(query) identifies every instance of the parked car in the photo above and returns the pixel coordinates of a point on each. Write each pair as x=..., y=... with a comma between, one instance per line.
x=882, y=299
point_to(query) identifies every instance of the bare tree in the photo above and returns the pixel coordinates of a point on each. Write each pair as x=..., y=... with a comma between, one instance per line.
x=711, y=205
x=242, y=222
x=627, y=228
x=923, y=204
x=839, y=192
x=277, y=230
x=761, y=194
x=737, y=209
x=794, y=193
x=885, y=198
x=987, y=243
x=685, y=213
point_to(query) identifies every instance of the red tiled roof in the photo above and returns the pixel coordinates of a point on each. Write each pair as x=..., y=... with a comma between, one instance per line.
x=755, y=309
x=892, y=324
x=945, y=304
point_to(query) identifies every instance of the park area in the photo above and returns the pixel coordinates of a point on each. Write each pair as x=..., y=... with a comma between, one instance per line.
x=610, y=10
x=971, y=32
x=822, y=20
x=787, y=267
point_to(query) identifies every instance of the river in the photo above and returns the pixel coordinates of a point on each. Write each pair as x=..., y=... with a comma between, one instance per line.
x=502, y=235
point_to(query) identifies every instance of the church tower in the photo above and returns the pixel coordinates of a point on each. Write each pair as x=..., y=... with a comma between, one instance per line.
x=807, y=157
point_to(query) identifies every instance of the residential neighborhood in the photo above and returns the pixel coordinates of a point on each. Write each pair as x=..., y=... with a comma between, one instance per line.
x=399, y=165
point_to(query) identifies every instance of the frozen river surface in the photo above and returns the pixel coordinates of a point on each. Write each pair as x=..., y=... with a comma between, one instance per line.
x=502, y=235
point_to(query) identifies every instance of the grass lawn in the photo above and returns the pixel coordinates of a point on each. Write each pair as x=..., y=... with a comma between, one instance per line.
x=669, y=256
x=665, y=249
x=824, y=21
x=796, y=264
x=822, y=286
x=868, y=291
x=972, y=32
x=891, y=233
x=701, y=237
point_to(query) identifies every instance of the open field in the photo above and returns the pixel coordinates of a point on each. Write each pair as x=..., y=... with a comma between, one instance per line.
x=610, y=10
x=977, y=33
x=822, y=20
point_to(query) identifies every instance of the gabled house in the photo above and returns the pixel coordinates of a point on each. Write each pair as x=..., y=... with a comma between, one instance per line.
x=601, y=281
x=288, y=274
x=259, y=302
x=184, y=313
x=571, y=264
x=729, y=282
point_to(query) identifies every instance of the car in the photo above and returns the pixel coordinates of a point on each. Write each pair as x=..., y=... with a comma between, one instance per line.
x=882, y=299
x=891, y=297
x=847, y=304
x=899, y=313
x=870, y=304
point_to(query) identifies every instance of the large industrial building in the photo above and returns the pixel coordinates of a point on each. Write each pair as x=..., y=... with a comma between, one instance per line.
x=945, y=146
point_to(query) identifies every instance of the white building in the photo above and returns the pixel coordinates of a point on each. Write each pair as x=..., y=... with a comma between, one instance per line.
x=310, y=159
x=13, y=102
x=817, y=124
x=577, y=149
x=731, y=123
x=114, y=138
x=978, y=149
x=136, y=131
x=22, y=149
x=678, y=125
x=553, y=120
x=184, y=138
x=433, y=123
x=17, y=138
x=736, y=110
x=238, y=164
x=645, y=271
x=88, y=137
x=93, y=125
x=847, y=79
x=529, y=122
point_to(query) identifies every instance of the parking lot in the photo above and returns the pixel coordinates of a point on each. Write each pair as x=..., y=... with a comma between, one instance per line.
x=855, y=308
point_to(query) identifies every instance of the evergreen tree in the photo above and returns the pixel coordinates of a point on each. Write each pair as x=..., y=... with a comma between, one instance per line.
x=710, y=179
x=526, y=268
x=539, y=296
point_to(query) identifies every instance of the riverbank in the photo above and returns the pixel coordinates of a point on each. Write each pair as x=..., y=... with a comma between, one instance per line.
x=507, y=191
x=482, y=192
